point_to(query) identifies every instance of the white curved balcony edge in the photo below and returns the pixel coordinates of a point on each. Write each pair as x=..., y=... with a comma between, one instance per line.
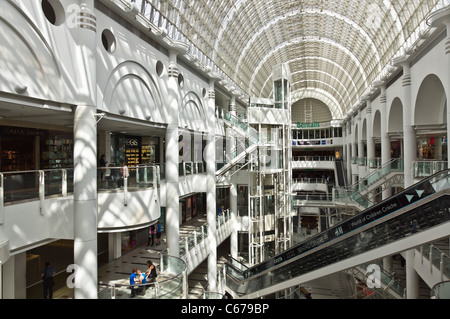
x=31, y=223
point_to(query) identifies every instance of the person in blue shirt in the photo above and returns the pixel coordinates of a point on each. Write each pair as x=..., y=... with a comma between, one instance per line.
x=133, y=282
x=158, y=233
x=140, y=279
x=141, y=276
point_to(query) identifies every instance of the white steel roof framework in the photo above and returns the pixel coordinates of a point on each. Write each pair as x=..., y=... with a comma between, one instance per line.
x=335, y=49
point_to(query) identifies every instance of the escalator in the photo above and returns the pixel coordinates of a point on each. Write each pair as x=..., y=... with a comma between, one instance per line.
x=340, y=173
x=381, y=230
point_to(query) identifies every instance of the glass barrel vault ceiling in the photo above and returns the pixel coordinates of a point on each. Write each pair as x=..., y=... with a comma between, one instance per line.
x=335, y=49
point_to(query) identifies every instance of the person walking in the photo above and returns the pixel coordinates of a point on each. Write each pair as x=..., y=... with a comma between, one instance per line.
x=48, y=281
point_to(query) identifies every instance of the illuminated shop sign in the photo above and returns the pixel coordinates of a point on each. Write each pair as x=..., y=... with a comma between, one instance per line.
x=308, y=125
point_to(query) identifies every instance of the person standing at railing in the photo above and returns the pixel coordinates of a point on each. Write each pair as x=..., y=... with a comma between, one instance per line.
x=125, y=174
x=151, y=236
x=158, y=233
x=102, y=163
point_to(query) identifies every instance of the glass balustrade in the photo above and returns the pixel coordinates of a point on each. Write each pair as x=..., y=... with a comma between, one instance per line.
x=250, y=132
x=340, y=195
x=199, y=234
x=41, y=184
x=313, y=158
x=395, y=165
x=438, y=259
x=441, y=291
x=387, y=279
x=331, y=246
x=423, y=169
x=171, y=283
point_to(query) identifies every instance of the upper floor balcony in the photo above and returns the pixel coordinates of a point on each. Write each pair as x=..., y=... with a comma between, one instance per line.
x=313, y=161
x=38, y=205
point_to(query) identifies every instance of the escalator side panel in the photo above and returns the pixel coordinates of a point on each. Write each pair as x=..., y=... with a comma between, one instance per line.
x=430, y=214
x=408, y=197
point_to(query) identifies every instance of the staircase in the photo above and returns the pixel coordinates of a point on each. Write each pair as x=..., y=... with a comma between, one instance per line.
x=236, y=158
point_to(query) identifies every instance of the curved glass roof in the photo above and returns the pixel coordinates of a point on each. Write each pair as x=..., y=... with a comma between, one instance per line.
x=335, y=49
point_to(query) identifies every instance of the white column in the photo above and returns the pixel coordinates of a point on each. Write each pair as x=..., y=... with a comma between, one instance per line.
x=172, y=225
x=412, y=278
x=410, y=151
x=232, y=106
x=385, y=138
x=409, y=133
x=85, y=202
x=85, y=155
x=349, y=151
x=354, y=148
x=8, y=276
x=360, y=143
x=234, y=233
x=369, y=133
x=211, y=209
x=385, y=155
x=447, y=82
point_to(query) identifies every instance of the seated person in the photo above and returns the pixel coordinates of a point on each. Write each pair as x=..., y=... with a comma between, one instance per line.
x=133, y=282
x=151, y=272
x=140, y=279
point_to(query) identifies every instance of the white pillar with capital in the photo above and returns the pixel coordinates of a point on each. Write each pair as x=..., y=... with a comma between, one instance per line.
x=211, y=210
x=385, y=155
x=409, y=133
x=369, y=134
x=172, y=225
x=85, y=155
x=410, y=151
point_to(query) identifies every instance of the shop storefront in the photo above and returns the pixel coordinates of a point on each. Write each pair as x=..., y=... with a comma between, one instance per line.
x=134, y=150
x=25, y=149
x=432, y=147
x=192, y=206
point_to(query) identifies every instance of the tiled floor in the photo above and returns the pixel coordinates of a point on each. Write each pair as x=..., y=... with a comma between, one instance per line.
x=118, y=271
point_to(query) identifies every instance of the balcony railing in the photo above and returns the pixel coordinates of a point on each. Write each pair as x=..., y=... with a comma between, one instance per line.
x=313, y=158
x=427, y=168
x=18, y=186
x=199, y=234
x=171, y=283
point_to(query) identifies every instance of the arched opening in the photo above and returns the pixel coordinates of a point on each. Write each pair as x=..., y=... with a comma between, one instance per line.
x=430, y=120
x=395, y=128
x=376, y=134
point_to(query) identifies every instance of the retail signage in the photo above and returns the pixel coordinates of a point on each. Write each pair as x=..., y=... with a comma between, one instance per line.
x=308, y=125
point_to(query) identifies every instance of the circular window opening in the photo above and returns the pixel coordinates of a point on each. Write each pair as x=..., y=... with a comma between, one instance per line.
x=53, y=11
x=180, y=80
x=159, y=68
x=108, y=41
